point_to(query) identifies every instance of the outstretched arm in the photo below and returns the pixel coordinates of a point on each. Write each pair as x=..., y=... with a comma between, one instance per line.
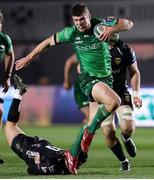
x=135, y=84
x=67, y=71
x=23, y=62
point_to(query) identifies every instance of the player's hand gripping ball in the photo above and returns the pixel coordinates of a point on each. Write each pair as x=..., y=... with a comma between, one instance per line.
x=98, y=30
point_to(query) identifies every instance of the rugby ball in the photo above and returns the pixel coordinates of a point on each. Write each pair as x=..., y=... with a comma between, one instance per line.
x=98, y=30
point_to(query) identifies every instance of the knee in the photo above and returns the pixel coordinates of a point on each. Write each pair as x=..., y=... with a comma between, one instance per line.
x=115, y=103
x=110, y=139
x=128, y=130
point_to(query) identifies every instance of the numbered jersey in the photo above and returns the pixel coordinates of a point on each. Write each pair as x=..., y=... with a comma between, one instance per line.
x=51, y=157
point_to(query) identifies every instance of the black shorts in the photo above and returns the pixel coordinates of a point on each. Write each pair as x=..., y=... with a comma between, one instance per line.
x=126, y=99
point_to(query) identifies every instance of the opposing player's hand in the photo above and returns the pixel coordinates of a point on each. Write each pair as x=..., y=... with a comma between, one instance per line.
x=137, y=102
x=106, y=34
x=6, y=84
x=67, y=85
x=21, y=63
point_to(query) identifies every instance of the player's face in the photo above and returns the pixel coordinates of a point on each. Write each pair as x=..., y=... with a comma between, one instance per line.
x=82, y=22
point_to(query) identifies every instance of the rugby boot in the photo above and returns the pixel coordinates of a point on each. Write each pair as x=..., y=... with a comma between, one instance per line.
x=71, y=162
x=125, y=165
x=86, y=140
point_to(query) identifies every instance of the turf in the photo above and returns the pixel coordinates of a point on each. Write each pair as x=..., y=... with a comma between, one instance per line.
x=101, y=162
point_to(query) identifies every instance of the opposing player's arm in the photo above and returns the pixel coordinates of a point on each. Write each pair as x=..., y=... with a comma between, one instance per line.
x=67, y=71
x=122, y=25
x=21, y=63
x=135, y=83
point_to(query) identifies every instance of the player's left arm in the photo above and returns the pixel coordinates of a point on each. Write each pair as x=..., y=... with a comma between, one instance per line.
x=135, y=83
x=67, y=71
x=121, y=25
x=9, y=63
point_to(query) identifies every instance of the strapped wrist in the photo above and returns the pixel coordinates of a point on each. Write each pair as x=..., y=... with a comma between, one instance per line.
x=135, y=94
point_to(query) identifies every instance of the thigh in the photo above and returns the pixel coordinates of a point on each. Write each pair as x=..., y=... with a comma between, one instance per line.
x=102, y=93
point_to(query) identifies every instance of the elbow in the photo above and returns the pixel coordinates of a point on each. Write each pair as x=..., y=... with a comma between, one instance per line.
x=129, y=24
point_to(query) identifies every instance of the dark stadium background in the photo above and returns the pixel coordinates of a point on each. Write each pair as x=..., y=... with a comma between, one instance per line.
x=30, y=22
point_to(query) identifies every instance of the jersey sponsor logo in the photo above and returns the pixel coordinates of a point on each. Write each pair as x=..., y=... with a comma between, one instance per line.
x=30, y=154
x=127, y=98
x=118, y=60
x=89, y=47
x=86, y=36
x=53, y=148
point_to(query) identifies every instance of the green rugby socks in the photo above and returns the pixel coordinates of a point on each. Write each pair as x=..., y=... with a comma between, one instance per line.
x=100, y=115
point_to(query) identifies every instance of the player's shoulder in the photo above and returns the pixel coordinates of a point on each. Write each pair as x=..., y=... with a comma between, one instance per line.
x=70, y=29
x=5, y=37
x=122, y=45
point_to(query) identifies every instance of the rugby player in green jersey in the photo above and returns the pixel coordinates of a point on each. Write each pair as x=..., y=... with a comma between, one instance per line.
x=96, y=73
x=6, y=55
x=123, y=57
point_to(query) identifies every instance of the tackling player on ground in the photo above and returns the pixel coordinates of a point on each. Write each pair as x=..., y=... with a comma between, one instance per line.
x=41, y=157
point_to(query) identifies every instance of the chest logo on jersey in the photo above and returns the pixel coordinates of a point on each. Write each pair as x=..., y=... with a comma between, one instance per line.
x=127, y=98
x=118, y=60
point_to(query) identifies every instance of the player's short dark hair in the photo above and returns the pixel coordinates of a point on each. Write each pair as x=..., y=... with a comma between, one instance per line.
x=1, y=17
x=79, y=9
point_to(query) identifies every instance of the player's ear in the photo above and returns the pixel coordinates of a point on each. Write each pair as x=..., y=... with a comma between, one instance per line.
x=89, y=16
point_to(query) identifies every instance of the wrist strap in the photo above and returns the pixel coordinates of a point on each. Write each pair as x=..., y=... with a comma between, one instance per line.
x=135, y=94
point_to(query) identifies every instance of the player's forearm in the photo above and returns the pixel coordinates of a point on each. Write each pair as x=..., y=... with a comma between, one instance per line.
x=67, y=71
x=40, y=48
x=9, y=63
x=135, y=82
x=68, y=67
x=123, y=25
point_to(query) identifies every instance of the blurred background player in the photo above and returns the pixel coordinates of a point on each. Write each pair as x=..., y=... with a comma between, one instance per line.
x=123, y=57
x=6, y=65
x=41, y=156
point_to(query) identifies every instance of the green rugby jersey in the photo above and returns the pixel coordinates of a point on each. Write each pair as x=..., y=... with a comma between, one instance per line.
x=5, y=45
x=93, y=55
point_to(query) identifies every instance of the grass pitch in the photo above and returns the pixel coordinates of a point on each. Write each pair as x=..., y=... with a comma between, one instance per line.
x=101, y=163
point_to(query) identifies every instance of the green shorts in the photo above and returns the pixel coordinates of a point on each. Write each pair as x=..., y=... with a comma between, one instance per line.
x=80, y=98
x=87, y=82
